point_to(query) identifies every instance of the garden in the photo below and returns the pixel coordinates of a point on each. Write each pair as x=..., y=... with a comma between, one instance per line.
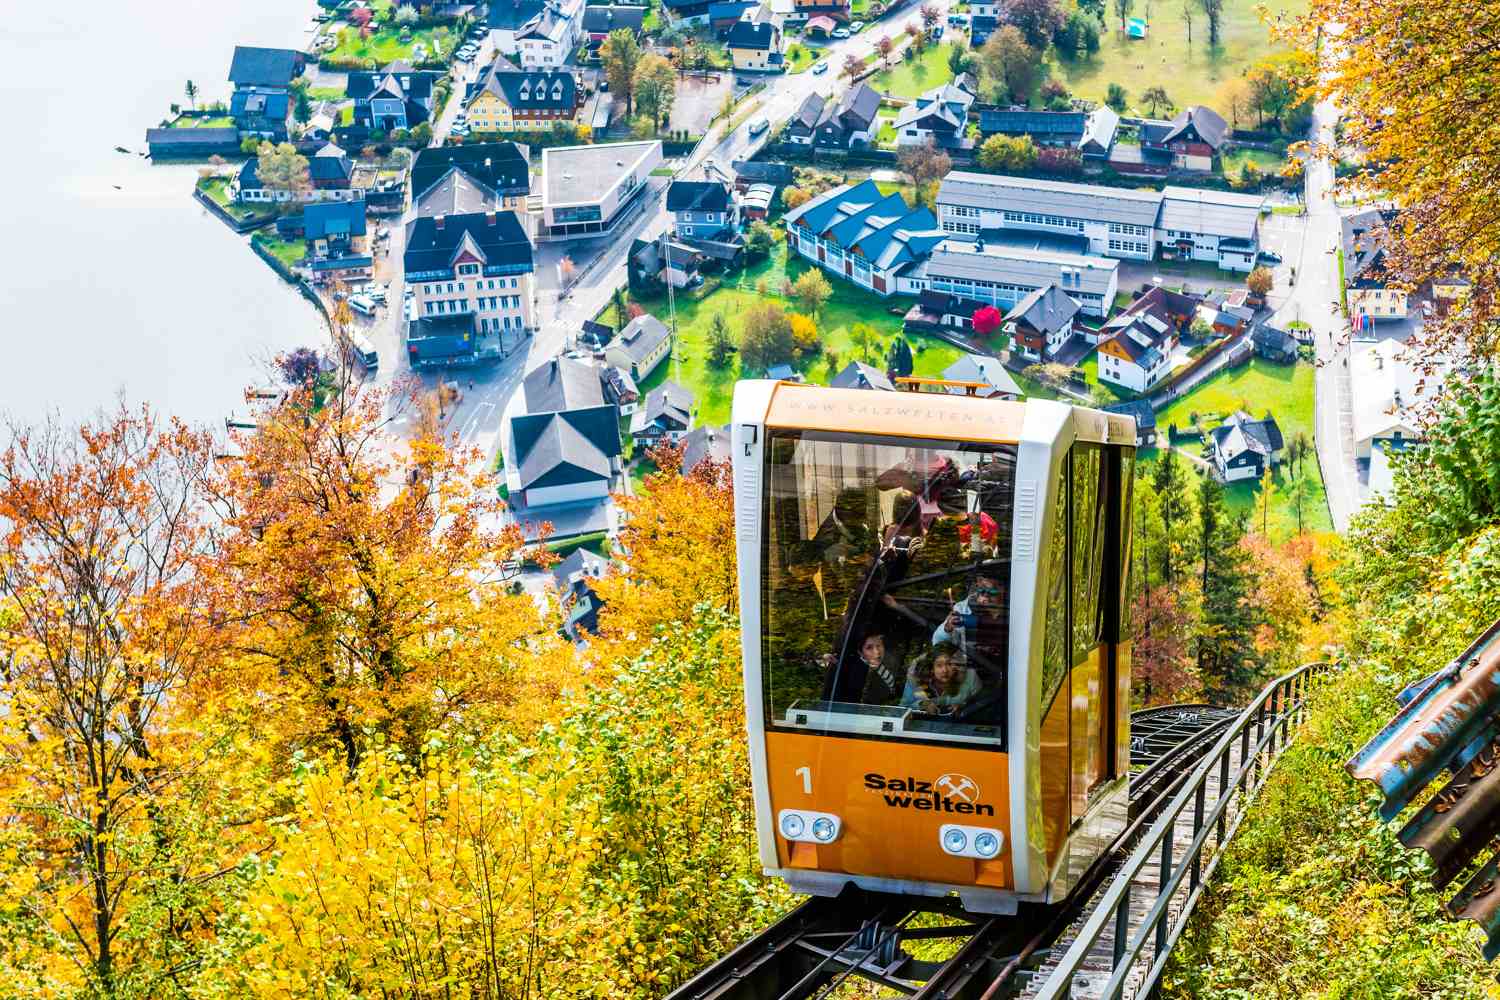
x=799, y=57
x=1287, y=392
x=915, y=75
x=217, y=188
x=392, y=43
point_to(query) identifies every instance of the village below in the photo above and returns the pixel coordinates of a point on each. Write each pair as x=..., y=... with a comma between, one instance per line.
x=419, y=672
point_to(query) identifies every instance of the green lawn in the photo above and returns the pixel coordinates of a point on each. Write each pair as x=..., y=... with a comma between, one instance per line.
x=849, y=305
x=214, y=121
x=1265, y=161
x=217, y=188
x=289, y=252
x=325, y=93
x=1192, y=73
x=913, y=77
x=1285, y=390
x=799, y=57
x=385, y=45
x=887, y=134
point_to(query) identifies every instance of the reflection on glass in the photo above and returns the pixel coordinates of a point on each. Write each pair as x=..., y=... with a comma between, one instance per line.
x=886, y=584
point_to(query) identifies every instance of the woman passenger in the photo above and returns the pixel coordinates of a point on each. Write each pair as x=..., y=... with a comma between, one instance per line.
x=941, y=683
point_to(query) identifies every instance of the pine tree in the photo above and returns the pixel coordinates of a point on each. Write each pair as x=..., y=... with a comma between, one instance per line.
x=1171, y=497
x=899, y=362
x=1228, y=618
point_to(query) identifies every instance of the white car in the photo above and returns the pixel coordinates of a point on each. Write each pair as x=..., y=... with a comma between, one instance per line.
x=821, y=67
x=840, y=32
x=857, y=26
x=758, y=125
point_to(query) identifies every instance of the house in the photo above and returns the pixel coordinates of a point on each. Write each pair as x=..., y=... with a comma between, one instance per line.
x=1389, y=390
x=803, y=124
x=1135, y=349
x=1244, y=448
x=476, y=266
x=499, y=171
x=1226, y=322
x=705, y=444
x=1144, y=415
x=586, y=188
x=595, y=334
x=782, y=373
x=508, y=100
x=688, y=11
x=704, y=209
x=548, y=41
x=939, y=116
x=809, y=9
x=395, y=97
x=849, y=123
x=1042, y=322
x=600, y=19
x=1063, y=129
x=565, y=447
x=1221, y=227
x=858, y=375
x=253, y=66
x=249, y=189
x=337, y=223
x=330, y=169
x=987, y=372
x=1194, y=138
x=1000, y=269
x=1362, y=242
x=264, y=112
x=581, y=566
x=507, y=18
x=723, y=16
x=1099, y=133
x=619, y=388
x=582, y=606
x=821, y=26
x=667, y=415
x=1274, y=344
x=198, y=143
x=755, y=44
x=981, y=27
x=863, y=236
x=640, y=347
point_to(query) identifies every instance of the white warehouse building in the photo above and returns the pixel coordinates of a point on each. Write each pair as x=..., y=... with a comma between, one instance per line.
x=1004, y=273
x=1181, y=223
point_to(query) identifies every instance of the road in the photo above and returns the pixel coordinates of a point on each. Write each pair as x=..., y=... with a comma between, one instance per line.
x=476, y=419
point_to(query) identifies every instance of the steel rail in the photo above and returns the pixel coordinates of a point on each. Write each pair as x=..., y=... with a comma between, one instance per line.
x=1286, y=699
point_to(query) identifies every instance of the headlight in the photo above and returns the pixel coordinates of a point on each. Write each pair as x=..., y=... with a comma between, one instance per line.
x=823, y=829
x=987, y=845
x=806, y=826
x=955, y=840
x=978, y=842
x=791, y=825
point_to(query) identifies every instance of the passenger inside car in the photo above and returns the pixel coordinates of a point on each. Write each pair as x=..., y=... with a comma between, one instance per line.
x=941, y=683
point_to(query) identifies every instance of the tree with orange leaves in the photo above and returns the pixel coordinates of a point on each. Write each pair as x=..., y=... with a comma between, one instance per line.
x=113, y=790
x=363, y=584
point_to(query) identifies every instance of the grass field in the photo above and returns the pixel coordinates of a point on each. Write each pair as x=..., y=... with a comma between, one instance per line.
x=887, y=134
x=913, y=77
x=214, y=121
x=1285, y=390
x=289, y=252
x=849, y=305
x=1266, y=161
x=386, y=45
x=217, y=188
x=799, y=57
x=1192, y=73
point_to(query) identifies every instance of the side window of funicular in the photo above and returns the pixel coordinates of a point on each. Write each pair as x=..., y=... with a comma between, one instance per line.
x=886, y=575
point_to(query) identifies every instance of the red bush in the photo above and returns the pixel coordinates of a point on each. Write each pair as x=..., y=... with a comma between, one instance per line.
x=986, y=320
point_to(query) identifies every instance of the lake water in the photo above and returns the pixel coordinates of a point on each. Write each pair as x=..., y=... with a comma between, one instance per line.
x=112, y=278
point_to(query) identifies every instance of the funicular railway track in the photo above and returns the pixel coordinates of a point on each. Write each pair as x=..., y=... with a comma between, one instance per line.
x=827, y=943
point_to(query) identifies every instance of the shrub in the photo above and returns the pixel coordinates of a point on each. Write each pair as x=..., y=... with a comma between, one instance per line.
x=1116, y=97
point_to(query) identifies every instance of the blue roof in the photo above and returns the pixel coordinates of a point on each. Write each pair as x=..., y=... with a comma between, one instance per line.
x=260, y=101
x=321, y=219
x=838, y=204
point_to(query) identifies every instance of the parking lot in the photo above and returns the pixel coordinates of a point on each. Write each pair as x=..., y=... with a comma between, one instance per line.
x=699, y=98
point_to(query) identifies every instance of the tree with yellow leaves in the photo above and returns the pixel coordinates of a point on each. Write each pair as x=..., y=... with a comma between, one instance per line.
x=362, y=583
x=115, y=790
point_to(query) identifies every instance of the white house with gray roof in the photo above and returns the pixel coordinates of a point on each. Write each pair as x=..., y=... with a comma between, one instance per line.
x=1182, y=223
x=1006, y=272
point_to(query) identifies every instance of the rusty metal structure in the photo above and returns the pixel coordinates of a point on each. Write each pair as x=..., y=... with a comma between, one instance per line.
x=1449, y=724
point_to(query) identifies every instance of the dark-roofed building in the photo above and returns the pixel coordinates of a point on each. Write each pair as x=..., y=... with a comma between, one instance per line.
x=600, y=19
x=936, y=310
x=803, y=124
x=566, y=445
x=703, y=209
x=330, y=168
x=1046, y=128
x=851, y=121
x=755, y=44
x=723, y=16
x=261, y=111
x=164, y=143
x=336, y=222
x=582, y=564
x=395, y=97
x=666, y=415
x=643, y=344
x=253, y=66
x=1244, y=448
x=1194, y=138
x=705, y=444
x=1363, y=239
x=1042, y=322
x=508, y=100
x=690, y=11
x=748, y=172
x=1145, y=419
x=862, y=235
x=499, y=170
x=858, y=375
x=981, y=27
x=983, y=370
x=619, y=388
x=1135, y=349
x=1274, y=344
x=330, y=181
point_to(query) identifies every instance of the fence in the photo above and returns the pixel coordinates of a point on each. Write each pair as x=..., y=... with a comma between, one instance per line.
x=1238, y=767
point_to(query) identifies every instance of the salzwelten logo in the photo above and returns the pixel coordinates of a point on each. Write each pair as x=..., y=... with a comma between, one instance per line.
x=951, y=793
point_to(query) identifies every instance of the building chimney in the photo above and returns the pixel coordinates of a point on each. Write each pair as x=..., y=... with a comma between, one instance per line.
x=438, y=220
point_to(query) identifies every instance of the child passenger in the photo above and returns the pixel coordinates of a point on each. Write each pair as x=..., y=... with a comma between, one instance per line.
x=942, y=683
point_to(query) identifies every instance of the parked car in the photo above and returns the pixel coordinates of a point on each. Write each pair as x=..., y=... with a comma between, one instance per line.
x=821, y=67
x=365, y=351
x=840, y=32
x=459, y=130
x=1268, y=257
x=856, y=26
x=362, y=304
x=759, y=125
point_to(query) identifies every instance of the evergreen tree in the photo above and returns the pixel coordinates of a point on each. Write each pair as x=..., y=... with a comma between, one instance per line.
x=720, y=343
x=899, y=362
x=1228, y=618
x=1168, y=484
x=1210, y=519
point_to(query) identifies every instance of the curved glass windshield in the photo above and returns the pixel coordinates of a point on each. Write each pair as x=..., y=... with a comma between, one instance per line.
x=886, y=583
